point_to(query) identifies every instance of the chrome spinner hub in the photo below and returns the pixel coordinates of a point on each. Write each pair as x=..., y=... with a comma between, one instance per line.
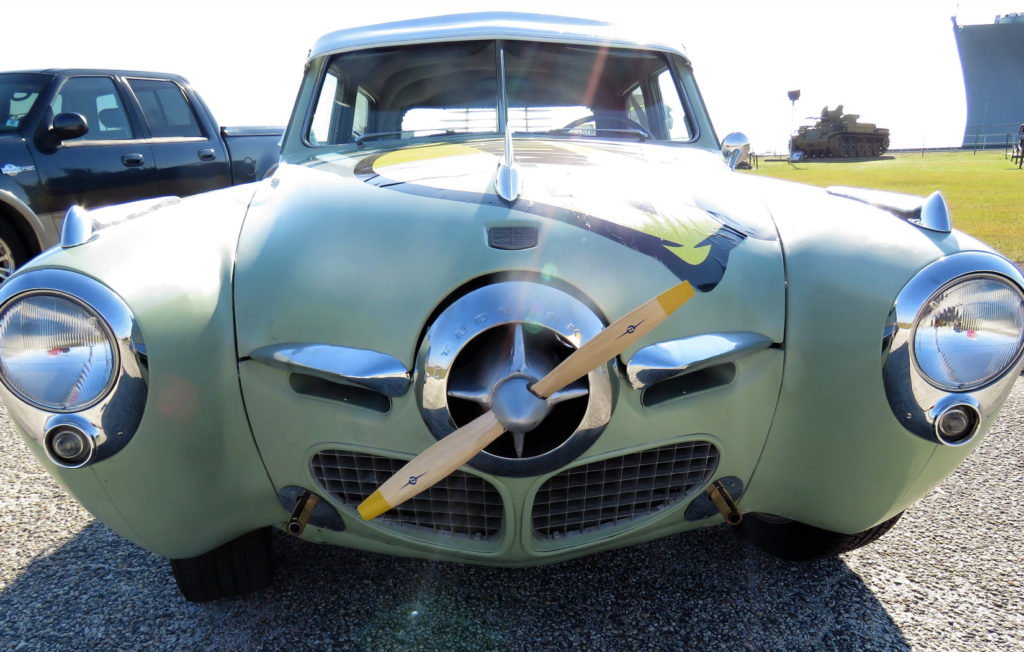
x=483, y=353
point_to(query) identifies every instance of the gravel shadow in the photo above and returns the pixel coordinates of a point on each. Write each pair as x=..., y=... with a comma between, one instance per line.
x=701, y=590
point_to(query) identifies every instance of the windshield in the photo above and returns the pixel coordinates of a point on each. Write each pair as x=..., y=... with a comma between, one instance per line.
x=449, y=88
x=406, y=92
x=18, y=94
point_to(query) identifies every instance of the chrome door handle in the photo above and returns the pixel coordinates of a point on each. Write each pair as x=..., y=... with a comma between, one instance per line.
x=207, y=155
x=132, y=160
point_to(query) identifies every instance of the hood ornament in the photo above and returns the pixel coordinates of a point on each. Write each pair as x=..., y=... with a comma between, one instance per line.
x=507, y=181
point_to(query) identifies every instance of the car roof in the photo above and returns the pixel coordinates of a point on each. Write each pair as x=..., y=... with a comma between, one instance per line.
x=486, y=26
x=70, y=72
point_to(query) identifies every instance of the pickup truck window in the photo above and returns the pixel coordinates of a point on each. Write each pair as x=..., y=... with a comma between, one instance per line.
x=96, y=99
x=166, y=109
x=18, y=93
x=417, y=90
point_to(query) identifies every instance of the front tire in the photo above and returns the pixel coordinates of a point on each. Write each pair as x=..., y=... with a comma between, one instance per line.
x=235, y=569
x=801, y=542
x=13, y=252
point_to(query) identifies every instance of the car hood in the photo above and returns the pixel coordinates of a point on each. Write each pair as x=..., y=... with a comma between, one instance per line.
x=393, y=232
x=678, y=205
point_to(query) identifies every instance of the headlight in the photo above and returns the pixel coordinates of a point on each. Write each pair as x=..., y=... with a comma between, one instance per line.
x=970, y=332
x=55, y=352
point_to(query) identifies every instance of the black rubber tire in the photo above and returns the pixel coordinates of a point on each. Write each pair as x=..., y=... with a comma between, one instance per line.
x=801, y=542
x=235, y=569
x=14, y=243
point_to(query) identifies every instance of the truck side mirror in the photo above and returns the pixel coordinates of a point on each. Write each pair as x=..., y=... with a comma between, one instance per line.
x=735, y=148
x=66, y=126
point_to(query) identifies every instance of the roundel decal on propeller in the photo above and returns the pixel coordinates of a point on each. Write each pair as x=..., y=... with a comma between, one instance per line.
x=587, y=186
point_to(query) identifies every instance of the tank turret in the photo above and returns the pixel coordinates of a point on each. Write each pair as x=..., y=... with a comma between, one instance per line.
x=839, y=135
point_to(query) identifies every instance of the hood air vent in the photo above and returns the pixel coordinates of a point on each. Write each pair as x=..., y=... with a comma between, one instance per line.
x=512, y=237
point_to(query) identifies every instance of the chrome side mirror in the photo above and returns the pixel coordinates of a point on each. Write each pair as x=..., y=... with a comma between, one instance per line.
x=735, y=149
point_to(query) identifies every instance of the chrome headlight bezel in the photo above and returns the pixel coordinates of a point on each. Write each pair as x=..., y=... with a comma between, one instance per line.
x=111, y=420
x=104, y=327
x=971, y=386
x=915, y=399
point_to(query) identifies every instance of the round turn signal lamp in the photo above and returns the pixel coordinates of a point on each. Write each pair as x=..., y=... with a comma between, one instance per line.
x=68, y=446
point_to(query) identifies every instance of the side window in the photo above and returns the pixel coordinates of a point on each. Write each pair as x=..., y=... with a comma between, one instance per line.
x=166, y=108
x=325, y=119
x=97, y=100
x=361, y=117
x=676, y=124
x=637, y=108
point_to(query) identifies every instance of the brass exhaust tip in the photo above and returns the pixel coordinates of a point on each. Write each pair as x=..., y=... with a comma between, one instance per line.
x=724, y=502
x=300, y=515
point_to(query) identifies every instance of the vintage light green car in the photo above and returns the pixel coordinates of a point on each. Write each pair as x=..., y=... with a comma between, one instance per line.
x=463, y=204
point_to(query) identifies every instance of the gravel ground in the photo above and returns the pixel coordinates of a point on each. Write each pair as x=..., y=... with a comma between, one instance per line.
x=948, y=577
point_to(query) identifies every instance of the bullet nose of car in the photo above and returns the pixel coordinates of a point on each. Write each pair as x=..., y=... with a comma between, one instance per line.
x=516, y=407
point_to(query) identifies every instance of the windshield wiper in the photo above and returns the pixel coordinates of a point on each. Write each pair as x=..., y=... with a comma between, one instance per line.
x=380, y=134
x=576, y=131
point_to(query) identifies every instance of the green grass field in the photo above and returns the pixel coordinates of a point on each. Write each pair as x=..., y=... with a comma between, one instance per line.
x=985, y=193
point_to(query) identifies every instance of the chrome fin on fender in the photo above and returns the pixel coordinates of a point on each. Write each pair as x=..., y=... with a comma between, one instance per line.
x=930, y=213
x=82, y=226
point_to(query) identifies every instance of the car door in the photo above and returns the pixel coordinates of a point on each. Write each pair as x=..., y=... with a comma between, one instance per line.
x=110, y=164
x=188, y=159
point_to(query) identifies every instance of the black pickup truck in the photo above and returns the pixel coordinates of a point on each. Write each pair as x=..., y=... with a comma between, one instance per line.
x=98, y=137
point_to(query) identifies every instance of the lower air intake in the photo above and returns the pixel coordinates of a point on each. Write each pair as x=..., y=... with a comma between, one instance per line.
x=462, y=506
x=620, y=490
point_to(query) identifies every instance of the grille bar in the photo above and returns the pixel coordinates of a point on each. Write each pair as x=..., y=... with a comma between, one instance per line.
x=462, y=506
x=620, y=490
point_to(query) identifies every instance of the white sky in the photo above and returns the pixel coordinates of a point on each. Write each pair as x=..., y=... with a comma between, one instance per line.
x=894, y=63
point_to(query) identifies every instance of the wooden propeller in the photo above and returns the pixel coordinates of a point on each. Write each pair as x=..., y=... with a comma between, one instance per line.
x=440, y=460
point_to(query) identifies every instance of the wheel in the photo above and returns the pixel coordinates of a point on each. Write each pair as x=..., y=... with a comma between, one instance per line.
x=885, y=144
x=801, y=542
x=13, y=252
x=878, y=149
x=834, y=146
x=844, y=150
x=861, y=150
x=235, y=569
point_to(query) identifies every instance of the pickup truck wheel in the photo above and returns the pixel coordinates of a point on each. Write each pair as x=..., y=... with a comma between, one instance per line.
x=13, y=253
x=801, y=542
x=235, y=569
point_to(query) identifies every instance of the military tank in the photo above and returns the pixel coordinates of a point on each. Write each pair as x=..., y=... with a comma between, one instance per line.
x=836, y=135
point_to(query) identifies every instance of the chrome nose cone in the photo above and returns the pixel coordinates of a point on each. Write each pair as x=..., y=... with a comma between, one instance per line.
x=516, y=407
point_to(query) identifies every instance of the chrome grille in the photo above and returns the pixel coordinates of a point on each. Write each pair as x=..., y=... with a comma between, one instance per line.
x=462, y=506
x=620, y=490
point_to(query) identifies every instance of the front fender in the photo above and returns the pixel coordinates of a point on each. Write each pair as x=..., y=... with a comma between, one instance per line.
x=836, y=457
x=191, y=478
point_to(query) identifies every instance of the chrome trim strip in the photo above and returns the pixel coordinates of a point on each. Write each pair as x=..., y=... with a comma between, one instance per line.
x=371, y=370
x=112, y=421
x=657, y=362
x=82, y=226
x=915, y=402
x=930, y=213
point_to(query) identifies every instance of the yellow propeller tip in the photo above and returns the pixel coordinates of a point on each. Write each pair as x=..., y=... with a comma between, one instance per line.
x=676, y=296
x=373, y=506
